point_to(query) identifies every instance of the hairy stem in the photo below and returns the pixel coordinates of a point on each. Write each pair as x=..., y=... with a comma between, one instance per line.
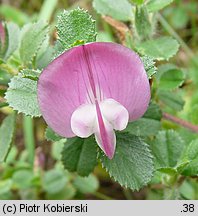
x=3, y=104
x=29, y=138
x=8, y=69
x=127, y=194
x=172, y=32
x=181, y=122
x=102, y=196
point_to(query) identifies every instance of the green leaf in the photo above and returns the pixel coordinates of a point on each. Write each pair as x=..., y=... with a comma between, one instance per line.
x=132, y=164
x=156, y=5
x=149, y=124
x=153, y=112
x=4, y=79
x=22, y=179
x=167, y=149
x=168, y=170
x=169, y=77
x=22, y=95
x=68, y=192
x=54, y=181
x=80, y=155
x=57, y=148
x=142, y=23
x=180, y=18
x=161, y=48
x=50, y=135
x=45, y=58
x=137, y=2
x=187, y=190
x=30, y=74
x=13, y=33
x=144, y=127
x=75, y=25
x=171, y=99
x=88, y=184
x=31, y=41
x=13, y=14
x=191, y=154
x=5, y=186
x=118, y=9
x=182, y=165
x=149, y=65
x=193, y=114
x=6, y=135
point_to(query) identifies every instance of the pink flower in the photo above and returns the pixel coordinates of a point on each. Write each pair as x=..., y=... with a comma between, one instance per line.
x=94, y=89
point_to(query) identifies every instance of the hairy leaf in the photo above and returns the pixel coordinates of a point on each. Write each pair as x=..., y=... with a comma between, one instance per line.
x=171, y=79
x=171, y=99
x=88, y=184
x=155, y=5
x=22, y=95
x=167, y=149
x=54, y=181
x=75, y=25
x=149, y=124
x=142, y=23
x=118, y=9
x=32, y=39
x=161, y=48
x=22, y=179
x=13, y=32
x=6, y=135
x=191, y=155
x=30, y=74
x=153, y=112
x=169, y=76
x=50, y=135
x=132, y=164
x=149, y=65
x=137, y=2
x=79, y=155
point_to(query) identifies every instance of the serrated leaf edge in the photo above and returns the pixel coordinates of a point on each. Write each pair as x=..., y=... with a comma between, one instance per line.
x=125, y=184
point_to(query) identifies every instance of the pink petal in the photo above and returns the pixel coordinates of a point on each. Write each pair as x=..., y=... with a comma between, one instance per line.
x=121, y=76
x=105, y=135
x=100, y=119
x=102, y=70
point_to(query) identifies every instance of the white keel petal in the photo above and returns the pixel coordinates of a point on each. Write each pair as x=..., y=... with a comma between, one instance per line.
x=83, y=120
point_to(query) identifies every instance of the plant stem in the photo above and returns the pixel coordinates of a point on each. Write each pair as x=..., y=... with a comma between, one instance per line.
x=127, y=193
x=29, y=138
x=102, y=196
x=47, y=10
x=4, y=104
x=174, y=34
x=8, y=69
x=181, y=122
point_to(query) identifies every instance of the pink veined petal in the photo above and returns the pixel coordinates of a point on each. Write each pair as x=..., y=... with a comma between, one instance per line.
x=62, y=88
x=121, y=76
x=111, y=140
x=69, y=81
x=105, y=135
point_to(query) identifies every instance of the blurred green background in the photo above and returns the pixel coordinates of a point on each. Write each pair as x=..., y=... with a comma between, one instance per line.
x=48, y=179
